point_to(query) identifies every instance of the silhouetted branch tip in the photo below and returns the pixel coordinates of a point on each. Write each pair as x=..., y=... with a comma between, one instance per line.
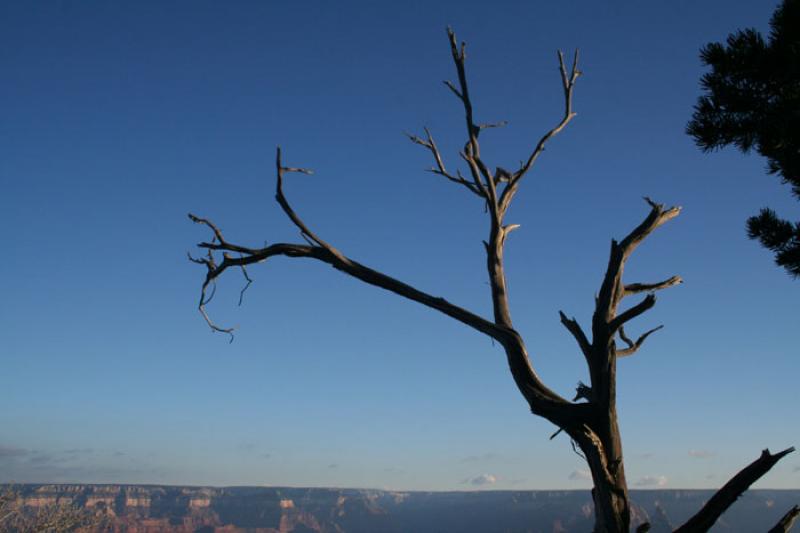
x=577, y=332
x=653, y=204
x=209, y=224
x=787, y=521
x=246, y=286
x=452, y=87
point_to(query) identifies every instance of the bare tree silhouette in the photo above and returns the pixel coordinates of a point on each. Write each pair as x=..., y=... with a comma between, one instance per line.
x=590, y=419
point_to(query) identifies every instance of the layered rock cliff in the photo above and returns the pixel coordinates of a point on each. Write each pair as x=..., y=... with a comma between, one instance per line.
x=156, y=509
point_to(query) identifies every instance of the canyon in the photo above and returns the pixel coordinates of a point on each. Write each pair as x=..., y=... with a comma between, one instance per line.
x=172, y=509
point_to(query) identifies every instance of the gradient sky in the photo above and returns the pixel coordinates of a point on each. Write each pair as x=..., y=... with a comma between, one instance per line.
x=118, y=119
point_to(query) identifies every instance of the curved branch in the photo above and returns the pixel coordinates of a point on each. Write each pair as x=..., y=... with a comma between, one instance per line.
x=211, y=266
x=727, y=495
x=633, y=347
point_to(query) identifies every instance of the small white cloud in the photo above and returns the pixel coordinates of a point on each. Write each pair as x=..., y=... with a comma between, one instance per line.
x=580, y=475
x=483, y=479
x=651, y=481
x=700, y=454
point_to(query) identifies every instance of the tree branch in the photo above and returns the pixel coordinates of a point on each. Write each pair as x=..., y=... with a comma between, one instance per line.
x=787, y=521
x=541, y=399
x=657, y=217
x=568, y=84
x=573, y=327
x=727, y=495
x=472, y=151
x=211, y=266
x=605, y=321
x=359, y=271
x=635, y=288
x=633, y=347
x=629, y=314
x=440, y=169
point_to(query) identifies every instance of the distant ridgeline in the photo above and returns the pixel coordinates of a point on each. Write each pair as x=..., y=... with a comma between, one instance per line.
x=151, y=508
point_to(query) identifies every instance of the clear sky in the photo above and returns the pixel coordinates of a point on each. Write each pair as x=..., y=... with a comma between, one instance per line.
x=116, y=119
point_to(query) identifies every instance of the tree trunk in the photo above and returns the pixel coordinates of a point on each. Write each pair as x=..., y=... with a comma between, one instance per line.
x=603, y=451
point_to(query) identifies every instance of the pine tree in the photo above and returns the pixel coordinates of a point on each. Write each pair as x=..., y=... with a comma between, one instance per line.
x=752, y=100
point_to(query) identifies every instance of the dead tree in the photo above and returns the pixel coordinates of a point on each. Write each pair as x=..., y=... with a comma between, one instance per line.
x=590, y=418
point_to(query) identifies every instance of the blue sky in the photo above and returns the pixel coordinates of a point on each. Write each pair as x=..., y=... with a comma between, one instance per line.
x=116, y=120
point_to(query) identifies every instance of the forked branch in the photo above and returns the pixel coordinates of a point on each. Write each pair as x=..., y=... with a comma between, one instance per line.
x=633, y=347
x=440, y=169
x=568, y=80
x=541, y=399
x=323, y=251
x=606, y=321
x=483, y=183
x=481, y=177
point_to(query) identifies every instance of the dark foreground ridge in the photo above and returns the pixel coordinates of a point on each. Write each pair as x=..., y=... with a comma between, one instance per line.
x=153, y=508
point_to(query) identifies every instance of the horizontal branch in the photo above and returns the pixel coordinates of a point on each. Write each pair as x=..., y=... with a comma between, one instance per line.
x=727, y=495
x=362, y=272
x=635, y=288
